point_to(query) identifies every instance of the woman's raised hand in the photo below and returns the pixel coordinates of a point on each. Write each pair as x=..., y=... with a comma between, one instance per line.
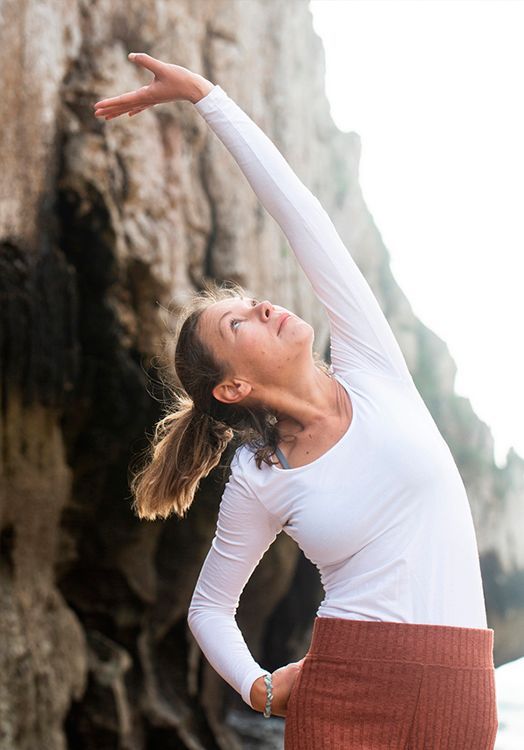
x=170, y=83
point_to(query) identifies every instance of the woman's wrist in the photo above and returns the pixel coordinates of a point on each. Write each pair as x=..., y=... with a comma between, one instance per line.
x=200, y=87
x=258, y=694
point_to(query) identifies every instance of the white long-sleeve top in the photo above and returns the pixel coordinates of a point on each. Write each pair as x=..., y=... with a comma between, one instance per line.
x=383, y=514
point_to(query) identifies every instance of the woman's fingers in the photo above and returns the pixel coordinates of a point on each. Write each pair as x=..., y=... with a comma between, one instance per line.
x=136, y=111
x=146, y=61
x=103, y=111
x=134, y=98
x=170, y=83
x=111, y=114
x=119, y=109
x=130, y=99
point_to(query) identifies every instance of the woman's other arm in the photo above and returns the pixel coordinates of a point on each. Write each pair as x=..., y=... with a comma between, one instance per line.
x=245, y=530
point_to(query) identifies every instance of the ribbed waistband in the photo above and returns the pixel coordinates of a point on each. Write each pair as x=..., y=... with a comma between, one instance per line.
x=341, y=638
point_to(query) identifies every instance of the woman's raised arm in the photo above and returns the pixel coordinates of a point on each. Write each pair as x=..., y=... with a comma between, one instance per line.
x=361, y=338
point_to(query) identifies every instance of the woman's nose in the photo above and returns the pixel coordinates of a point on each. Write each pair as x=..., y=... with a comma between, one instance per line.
x=266, y=308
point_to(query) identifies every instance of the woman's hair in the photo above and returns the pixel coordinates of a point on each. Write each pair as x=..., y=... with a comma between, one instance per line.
x=196, y=428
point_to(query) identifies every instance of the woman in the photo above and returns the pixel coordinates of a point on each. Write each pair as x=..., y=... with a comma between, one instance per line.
x=347, y=460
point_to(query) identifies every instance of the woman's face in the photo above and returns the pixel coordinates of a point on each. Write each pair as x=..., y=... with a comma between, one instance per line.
x=262, y=344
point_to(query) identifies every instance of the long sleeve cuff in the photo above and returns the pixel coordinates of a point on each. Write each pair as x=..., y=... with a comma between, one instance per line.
x=247, y=684
x=205, y=104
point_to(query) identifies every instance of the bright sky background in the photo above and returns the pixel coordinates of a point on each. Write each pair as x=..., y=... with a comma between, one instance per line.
x=435, y=91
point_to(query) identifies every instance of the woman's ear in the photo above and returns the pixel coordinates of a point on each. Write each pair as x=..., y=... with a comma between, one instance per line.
x=232, y=391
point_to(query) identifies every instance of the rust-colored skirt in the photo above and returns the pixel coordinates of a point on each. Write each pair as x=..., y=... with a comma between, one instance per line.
x=376, y=685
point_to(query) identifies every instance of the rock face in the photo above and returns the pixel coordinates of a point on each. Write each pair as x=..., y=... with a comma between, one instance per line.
x=105, y=227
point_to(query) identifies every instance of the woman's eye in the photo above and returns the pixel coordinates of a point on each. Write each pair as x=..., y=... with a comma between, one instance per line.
x=254, y=302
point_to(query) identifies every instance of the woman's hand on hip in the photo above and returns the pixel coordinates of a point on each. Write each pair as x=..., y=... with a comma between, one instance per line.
x=170, y=83
x=283, y=682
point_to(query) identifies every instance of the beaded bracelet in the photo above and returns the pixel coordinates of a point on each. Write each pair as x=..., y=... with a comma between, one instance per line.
x=269, y=693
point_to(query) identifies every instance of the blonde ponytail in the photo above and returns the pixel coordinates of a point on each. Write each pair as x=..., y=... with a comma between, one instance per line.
x=187, y=445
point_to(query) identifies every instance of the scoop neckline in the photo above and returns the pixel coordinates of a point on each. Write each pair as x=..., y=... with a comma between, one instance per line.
x=349, y=430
